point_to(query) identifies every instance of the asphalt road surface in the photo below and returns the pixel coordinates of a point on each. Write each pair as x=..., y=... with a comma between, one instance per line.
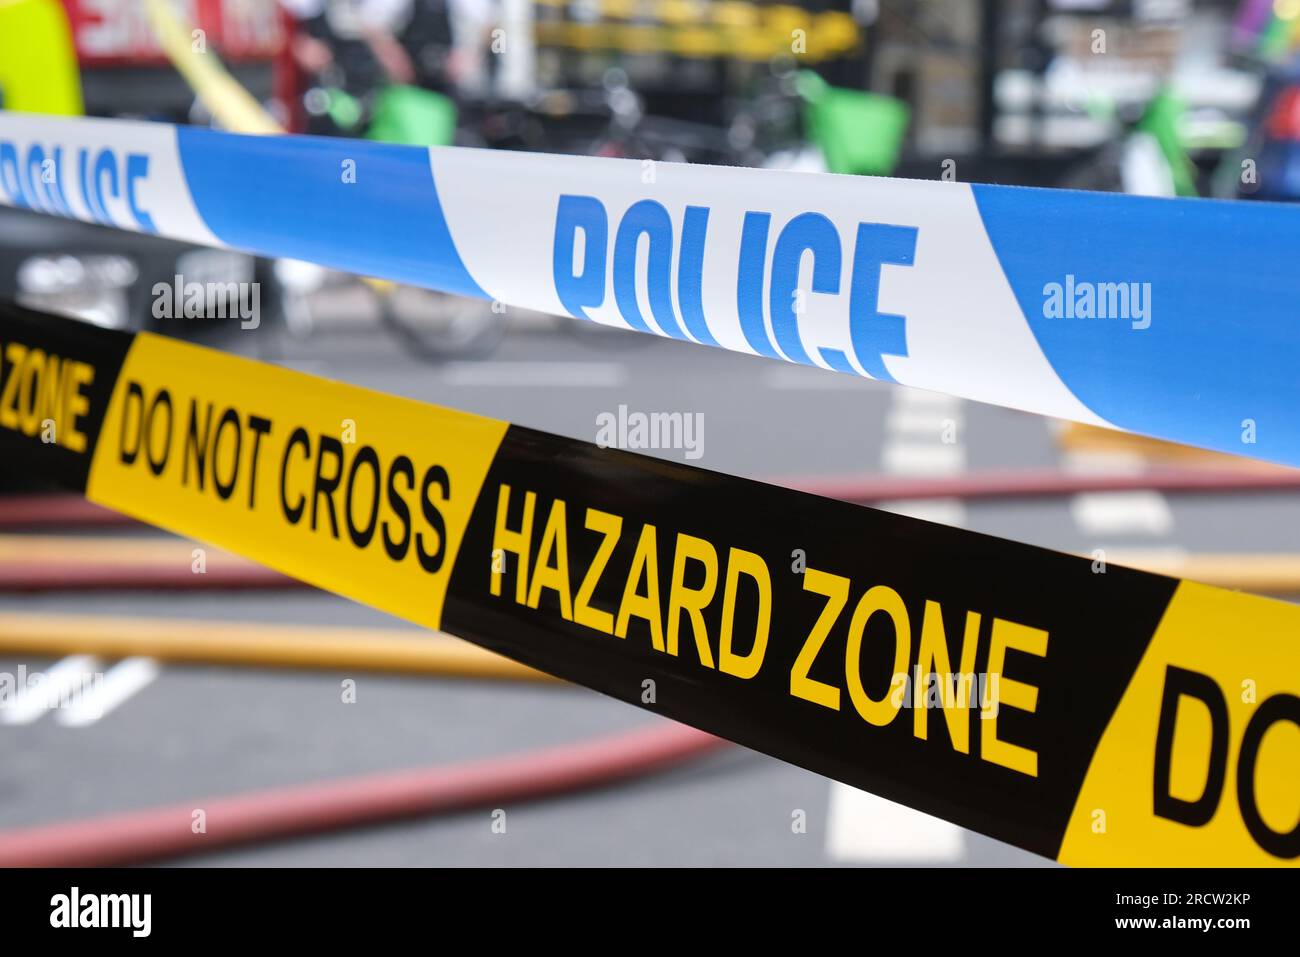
x=187, y=733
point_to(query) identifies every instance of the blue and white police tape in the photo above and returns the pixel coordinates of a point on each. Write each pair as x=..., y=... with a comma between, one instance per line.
x=1178, y=319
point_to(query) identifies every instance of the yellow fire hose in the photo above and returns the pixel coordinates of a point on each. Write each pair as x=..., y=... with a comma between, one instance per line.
x=233, y=107
x=258, y=645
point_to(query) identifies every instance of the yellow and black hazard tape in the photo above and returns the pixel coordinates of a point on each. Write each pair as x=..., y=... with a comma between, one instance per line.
x=1097, y=716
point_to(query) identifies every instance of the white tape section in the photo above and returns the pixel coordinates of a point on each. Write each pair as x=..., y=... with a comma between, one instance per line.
x=1170, y=318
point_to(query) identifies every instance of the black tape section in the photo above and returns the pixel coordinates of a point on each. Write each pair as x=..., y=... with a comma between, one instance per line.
x=1098, y=626
x=51, y=411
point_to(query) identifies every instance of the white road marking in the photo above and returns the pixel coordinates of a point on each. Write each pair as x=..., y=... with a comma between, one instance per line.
x=924, y=458
x=864, y=827
x=922, y=421
x=1103, y=463
x=1122, y=513
x=121, y=682
x=67, y=680
x=1157, y=556
x=861, y=826
x=795, y=377
x=905, y=397
x=945, y=511
x=564, y=374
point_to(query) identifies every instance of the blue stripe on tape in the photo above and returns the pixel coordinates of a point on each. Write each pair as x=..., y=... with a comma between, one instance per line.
x=299, y=197
x=1193, y=329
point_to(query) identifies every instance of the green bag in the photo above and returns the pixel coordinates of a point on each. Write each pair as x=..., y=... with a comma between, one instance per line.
x=414, y=117
x=857, y=132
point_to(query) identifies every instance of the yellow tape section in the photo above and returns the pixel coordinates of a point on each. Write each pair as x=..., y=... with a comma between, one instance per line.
x=360, y=493
x=1200, y=764
x=234, y=107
